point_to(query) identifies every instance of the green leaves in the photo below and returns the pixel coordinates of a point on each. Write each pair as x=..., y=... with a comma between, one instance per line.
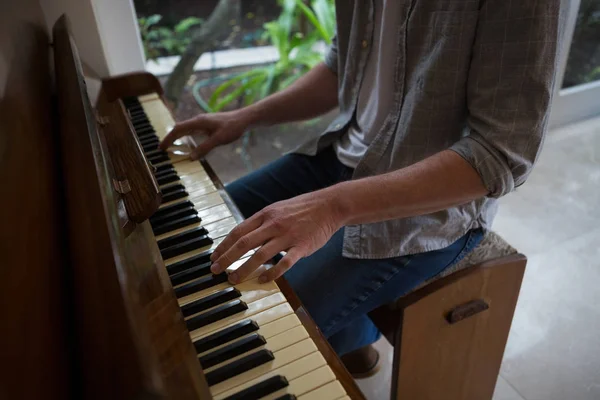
x=161, y=40
x=296, y=54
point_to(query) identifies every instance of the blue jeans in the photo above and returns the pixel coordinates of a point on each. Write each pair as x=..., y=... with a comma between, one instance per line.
x=338, y=292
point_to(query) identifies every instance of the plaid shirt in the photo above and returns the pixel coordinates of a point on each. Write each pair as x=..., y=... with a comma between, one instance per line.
x=473, y=76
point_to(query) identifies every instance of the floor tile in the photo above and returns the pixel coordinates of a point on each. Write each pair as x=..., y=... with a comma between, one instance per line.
x=378, y=386
x=553, y=351
x=505, y=392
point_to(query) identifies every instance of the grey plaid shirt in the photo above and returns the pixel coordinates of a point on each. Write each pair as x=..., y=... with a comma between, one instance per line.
x=473, y=76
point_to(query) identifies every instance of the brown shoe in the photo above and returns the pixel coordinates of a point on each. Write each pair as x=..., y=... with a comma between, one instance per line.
x=362, y=363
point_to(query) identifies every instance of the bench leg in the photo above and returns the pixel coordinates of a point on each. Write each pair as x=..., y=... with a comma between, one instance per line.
x=450, y=336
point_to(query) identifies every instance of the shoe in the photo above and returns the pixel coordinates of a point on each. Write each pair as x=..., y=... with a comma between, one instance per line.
x=362, y=363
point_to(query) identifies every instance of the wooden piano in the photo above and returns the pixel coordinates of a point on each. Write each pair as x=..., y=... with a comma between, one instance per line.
x=118, y=302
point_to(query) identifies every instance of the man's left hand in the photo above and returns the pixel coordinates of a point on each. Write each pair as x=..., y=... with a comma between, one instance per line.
x=300, y=226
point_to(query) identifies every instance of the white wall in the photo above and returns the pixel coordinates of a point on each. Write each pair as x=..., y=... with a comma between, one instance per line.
x=84, y=28
x=118, y=29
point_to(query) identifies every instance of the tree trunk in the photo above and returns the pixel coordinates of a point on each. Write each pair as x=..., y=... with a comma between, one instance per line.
x=215, y=29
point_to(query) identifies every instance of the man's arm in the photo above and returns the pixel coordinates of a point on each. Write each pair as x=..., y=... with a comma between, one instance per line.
x=510, y=89
x=310, y=96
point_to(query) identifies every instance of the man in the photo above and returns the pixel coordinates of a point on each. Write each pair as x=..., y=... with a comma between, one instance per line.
x=443, y=109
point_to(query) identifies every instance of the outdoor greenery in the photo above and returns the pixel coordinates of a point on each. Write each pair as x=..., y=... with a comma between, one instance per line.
x=584, y=57
x=296, y=52
x=161, y=41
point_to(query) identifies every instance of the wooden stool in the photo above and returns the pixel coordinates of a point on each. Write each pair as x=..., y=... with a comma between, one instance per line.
x=449, y=334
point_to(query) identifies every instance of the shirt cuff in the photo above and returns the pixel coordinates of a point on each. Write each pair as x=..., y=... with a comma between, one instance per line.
x=489, y=163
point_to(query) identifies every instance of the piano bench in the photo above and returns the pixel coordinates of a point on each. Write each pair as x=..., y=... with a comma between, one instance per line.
x=450, y=333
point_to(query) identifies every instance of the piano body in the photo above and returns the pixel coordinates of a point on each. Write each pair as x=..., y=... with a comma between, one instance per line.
x=131, y=310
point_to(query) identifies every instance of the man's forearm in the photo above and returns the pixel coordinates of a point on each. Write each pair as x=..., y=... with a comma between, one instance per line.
x=312, y=95
x=441, y=181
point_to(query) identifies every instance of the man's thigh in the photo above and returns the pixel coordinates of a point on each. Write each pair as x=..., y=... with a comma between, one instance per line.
x=336, y=290
x=287, y=177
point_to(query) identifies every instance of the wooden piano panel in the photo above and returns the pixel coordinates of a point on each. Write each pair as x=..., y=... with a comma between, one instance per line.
x=34, y=337
x=132, y=339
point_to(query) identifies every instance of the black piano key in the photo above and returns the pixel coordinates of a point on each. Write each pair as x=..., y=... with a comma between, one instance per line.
x=167, y=178
x=210, y=301
x=175, y=224
x=146, y=130
x=159, y=158
x=191, y=273
x=179, y=213
x=184, y=247
x=136, y=111
x=287, y=396
x=189, y=263
x=169, y=209
x=172, y=188
x=150, y=146
x=148, y=138
x=174, y=195
x=232, y=350
x=138, y=118
x=165, y=171
x=154, y=153
x=216, y=314
x=239, y=366
x=261, y=389
x=182, y=237
x=164, y=167
x=225, y=335
x=200, y=284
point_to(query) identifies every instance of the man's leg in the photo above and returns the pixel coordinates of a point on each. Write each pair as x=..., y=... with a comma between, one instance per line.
x=338, y=292
x=287, y=177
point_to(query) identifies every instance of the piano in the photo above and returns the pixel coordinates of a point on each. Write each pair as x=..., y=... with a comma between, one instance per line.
x=133, y=311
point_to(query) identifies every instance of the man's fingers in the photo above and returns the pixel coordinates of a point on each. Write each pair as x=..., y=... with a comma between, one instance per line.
x=241, y=240
x=261, y=256
x=185, y=128
x=245, y=227
x=291, y=258
x=204, y=148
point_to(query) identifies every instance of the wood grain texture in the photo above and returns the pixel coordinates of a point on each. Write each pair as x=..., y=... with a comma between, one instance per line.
x=107, y=314
x=131, y=84
x=133, y=341
x=438, y=360
x=321, y=342
x=34, y=349
x=128, y=161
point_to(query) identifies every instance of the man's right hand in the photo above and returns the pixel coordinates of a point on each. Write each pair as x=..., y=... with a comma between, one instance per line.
x=220, y=128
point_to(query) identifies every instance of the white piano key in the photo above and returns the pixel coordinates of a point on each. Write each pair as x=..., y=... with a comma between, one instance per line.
x=214, y=214
x=221, y=228
x=306, y=383
x=148, y=97
x=256, y=307
x=331, y=391
x=185, y=256
x=205, y=201
x=267, y=331
x=283, y=357
x=291, y=371
x=274, y=344
x=251, y=291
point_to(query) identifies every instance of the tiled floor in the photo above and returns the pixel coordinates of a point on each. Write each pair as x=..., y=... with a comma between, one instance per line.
x=553, y=351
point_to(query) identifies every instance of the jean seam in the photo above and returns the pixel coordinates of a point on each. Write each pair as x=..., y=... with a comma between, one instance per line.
x=348, y=310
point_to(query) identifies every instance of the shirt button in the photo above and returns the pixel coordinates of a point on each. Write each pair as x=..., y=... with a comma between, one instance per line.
x=364, y=44
x=338, y=126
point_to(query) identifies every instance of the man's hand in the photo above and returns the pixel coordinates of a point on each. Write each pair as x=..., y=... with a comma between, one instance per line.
x=300, y=226
x=220, y=128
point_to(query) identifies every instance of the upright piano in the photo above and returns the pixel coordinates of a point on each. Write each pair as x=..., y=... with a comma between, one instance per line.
x=135, y=312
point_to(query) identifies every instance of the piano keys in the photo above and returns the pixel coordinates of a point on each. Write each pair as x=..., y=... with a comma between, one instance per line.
x=151, y=320
x=249, y=342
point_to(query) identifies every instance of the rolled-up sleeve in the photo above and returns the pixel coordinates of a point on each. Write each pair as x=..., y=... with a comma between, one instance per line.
x=510, y=86
x=331, y=56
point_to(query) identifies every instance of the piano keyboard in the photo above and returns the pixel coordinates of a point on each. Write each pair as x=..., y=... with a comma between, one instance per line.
x=249, y=342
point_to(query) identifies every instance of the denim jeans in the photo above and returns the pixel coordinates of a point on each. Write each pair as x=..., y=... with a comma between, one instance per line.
x=337, y=291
